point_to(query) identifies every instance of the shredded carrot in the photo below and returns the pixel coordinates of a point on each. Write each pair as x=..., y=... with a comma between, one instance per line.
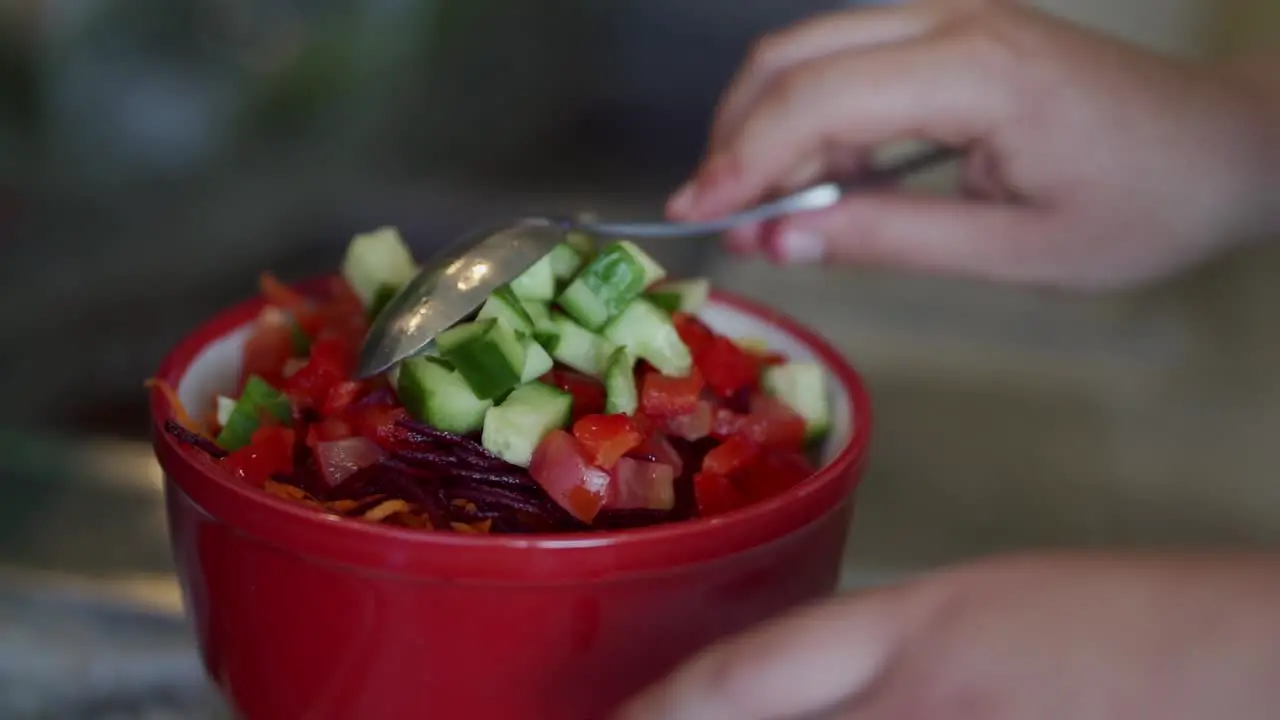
x=287, y=491
x=279, y=294
x=342, y=506
x=180, y=413
x=474, y=528
x=386, y=509
x=410, y=520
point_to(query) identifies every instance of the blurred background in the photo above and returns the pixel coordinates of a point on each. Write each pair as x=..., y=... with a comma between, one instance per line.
x=155, y=156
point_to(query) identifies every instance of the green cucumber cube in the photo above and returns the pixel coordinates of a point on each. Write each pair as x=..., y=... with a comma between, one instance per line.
x=487, y=353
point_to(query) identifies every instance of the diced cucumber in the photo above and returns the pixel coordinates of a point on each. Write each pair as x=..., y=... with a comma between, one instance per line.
x=686, y=296
x=575, y=346
x=536, y=283
x=506, y=308
x=648, y=333
x=609, y=283
x=803, y=387
x=258, y=400
x=375, y=259
x=381, y=297
x=487, y=353
x=513, y=429
x=620, y=393
x=540, y=314
x=537, y=362
x=565, y=262
x=225, y=406
x=439, y=396
x=583, y=243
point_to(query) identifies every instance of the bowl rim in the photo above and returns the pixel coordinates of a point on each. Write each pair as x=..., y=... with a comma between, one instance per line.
x=302, y=529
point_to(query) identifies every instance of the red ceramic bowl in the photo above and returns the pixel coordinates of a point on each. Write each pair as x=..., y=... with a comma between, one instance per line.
x=302, y=615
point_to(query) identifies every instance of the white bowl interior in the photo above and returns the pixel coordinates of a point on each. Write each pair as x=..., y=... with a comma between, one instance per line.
x=217, y=367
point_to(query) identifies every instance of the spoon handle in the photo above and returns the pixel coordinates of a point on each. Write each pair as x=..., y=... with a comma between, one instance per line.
x=816, y=197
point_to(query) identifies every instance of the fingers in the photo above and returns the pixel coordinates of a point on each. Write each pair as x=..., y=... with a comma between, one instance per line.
x=934, y=234
x=936, y=88
x=795, y=667
x=809, y=40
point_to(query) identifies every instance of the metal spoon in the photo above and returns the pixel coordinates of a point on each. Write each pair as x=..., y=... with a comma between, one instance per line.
x=458, y=281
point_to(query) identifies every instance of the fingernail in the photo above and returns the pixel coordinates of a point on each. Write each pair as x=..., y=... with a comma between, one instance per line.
x=682, y=201
x=801, y=246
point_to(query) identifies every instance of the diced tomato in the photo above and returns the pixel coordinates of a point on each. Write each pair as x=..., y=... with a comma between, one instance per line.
x=693, y=425
x=329, y=430
x=280, y=295
x=605, y=438
x=716, y=494
x=377, y=422
x=340, y=396
x=775, y=425
x=588, y=392
x=339, y=459
x=770, y=424
x=561, y=468
x=642, y=484
x=726, y=367
x=727, y=457
x=726, y=423
x=331, y=362
x=269, y=347
x=772, y=473
x=657, y=448
x=695, y=335
x=270, y=451
x=663, y=397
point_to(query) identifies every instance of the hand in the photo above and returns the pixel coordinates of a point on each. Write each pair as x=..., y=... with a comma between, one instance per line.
x=1050, y=638
x=1091, y=164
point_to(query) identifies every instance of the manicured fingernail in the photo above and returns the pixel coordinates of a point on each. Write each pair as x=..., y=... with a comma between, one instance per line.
x=680, y=203
x=800, y=246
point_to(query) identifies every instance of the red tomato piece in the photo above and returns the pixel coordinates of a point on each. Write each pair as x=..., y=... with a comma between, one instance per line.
x=726, y=367
x=770, y=474
x=268, y=349
x=561, y=468
x=270, y=451
x=281, y=295
x=657, y=448
x=693, y=332
x=773, y=424
x=642, y=484
x=329, y=430
x=331, y=362
x=340, y=396
x=588, y=392
x=725, y=423
x=605, y=438
x=727, y=457
x=377, y=422
x=693, y=425
x=664, y=397
x=716, y=494
x=339, y=459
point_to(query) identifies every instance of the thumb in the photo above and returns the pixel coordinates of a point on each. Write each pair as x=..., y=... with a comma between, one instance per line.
x=929, y=233
x=804, y=663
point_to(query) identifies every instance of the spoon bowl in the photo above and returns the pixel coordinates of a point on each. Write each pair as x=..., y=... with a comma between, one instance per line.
x=453, y=285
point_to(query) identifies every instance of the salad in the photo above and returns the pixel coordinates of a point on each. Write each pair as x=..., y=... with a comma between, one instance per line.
x=585, y=394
